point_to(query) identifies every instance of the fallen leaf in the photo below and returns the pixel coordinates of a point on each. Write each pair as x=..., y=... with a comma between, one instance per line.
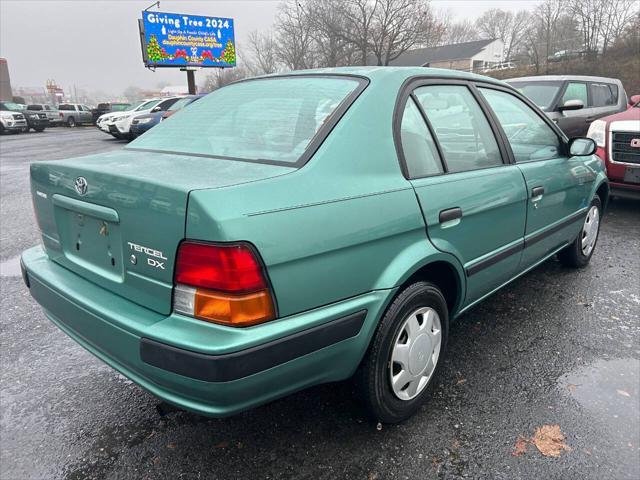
x=549, y=440
x=171, y=446
x=461, y=381
x=221, y=445
x=623, y=393
x=520, y=447
x=455, y=445
x=571, y=387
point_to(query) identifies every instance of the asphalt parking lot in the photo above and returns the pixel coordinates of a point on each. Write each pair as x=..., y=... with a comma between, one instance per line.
x=556, y=347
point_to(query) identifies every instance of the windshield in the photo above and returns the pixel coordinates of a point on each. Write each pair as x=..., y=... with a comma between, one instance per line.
x=271, y=119
x=542, y=93
x=147, y=105
x=12, y=106
x=183, y=102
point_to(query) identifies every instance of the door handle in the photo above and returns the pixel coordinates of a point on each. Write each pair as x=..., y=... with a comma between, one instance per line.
x=450, y=217
x=537, y=193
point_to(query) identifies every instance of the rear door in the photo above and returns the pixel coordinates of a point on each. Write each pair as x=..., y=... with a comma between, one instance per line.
x=558, y=187
x=473, y=201
x=604, y=99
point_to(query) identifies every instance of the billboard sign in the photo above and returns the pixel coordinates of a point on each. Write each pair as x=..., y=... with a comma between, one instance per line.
x=179, y=40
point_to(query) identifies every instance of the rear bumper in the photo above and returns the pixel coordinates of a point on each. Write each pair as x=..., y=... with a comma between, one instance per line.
x=210, y=369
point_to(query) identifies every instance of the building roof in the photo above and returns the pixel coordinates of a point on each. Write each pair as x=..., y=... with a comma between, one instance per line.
x=455, y=51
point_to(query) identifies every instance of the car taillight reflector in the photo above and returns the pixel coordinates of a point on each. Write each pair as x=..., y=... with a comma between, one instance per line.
x=226, y=268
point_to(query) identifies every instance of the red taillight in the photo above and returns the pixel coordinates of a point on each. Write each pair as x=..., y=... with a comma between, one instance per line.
x=226, y=268
x=222, y=284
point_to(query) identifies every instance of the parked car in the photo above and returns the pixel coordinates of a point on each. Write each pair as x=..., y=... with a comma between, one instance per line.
x=36, y=120
x=142, y=123
x=565, y=55
x=103, y=120
x=11, y=120
x=618, y=140
x=292, y=230
x=573, y=101
x=103, y=108
x=52, y=112
x=119, y=124
x=73, y=114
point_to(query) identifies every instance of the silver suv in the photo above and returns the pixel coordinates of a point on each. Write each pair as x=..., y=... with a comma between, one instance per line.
x=573, y=101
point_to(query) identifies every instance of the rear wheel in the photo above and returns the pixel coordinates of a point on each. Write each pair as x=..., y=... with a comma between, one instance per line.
x=405, y=354
x=580, y=251
x=39, y=129
x=71, y=122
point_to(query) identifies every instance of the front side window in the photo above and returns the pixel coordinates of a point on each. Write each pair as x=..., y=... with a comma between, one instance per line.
x=602, y=94
x=463, y=132
x=575, y=91
x=419, y=149
x=529, y=135
x=272, y=119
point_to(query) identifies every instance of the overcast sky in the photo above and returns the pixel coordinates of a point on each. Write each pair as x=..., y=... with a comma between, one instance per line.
x=94, y=44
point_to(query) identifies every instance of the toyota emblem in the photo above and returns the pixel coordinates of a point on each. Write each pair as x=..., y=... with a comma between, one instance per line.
x=81, y=185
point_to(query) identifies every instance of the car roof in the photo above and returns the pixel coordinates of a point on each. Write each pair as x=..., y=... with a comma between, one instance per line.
x=544, y=78
x=379, y=72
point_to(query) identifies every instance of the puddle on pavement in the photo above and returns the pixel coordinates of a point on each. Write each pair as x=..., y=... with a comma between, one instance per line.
x=610, y=390
x=10, y=267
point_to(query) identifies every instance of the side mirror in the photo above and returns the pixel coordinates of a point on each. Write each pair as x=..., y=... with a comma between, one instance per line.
x=571, y=105
x=155, y=109
x=581, y=146
x=634, y=99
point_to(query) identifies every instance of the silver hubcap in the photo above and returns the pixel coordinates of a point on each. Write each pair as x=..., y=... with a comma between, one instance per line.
x=590, y=230
x=415, y=353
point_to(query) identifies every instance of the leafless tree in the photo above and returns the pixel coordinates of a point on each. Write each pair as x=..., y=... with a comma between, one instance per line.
x=459, y=32
x=222, y=77
x=262, y=57
x=507, y=26
x=294, y=37
x=399, y=25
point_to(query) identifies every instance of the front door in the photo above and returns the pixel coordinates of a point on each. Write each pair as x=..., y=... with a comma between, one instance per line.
x=473, y=203
x=574, y=122
x=558, y=187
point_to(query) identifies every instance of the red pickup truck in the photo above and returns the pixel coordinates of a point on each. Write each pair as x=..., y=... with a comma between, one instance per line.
x=618, y=140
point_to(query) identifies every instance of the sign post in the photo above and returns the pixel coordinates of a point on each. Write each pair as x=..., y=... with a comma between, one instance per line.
x=188, y=42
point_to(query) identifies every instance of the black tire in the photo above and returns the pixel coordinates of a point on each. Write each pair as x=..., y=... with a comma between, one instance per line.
x=71, y=122
x=573, y=255
x=39, y=129
x=373, y=378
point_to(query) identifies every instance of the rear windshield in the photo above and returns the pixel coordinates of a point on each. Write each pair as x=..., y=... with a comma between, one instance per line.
x=35, y=107
x=542, y=93
x=66, y=107
x=271, y=119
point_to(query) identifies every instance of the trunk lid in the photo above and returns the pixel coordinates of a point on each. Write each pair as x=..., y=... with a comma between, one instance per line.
x=124, y=231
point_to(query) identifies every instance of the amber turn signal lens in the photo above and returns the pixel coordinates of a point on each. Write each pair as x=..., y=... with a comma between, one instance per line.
x=234, y=310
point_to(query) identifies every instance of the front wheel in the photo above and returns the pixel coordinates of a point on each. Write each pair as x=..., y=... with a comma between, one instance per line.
x=39, y=129
x=405, y=354
x=71, y=122
x=580, y=251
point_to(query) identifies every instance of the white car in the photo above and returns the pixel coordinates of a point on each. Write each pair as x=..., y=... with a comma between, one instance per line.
x=12, y=121
x=105, y=119
x=119, y=124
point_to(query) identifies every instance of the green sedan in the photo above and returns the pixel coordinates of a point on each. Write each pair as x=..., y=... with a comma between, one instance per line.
x=296, y=229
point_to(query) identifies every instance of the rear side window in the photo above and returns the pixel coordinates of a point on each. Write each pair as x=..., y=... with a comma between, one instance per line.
x=463, y=132
x=529, y=135
x=36, y=108
x=66, y=107
x=603, y=94
x=272, y=119
x=576, y=91
x=419, y=149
